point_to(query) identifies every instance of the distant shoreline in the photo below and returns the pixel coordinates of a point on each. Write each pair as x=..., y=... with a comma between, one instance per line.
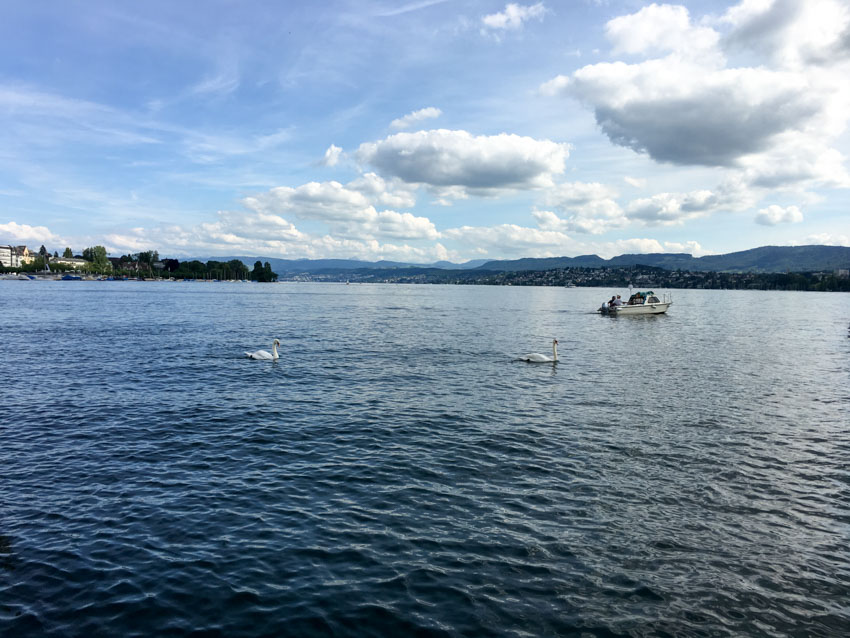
x=635, y=277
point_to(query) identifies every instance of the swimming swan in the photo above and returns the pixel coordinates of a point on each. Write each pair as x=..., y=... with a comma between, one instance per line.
x=265, y=355
x=536, y=357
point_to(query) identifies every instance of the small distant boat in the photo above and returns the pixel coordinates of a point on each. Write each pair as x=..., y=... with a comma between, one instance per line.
x=640, y=303
x=13, y=276
x=71, y=278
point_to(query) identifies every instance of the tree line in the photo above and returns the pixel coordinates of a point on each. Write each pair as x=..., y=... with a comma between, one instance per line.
x=145, y=263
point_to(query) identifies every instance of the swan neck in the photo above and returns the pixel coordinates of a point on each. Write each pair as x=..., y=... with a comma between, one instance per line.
x=274, y=350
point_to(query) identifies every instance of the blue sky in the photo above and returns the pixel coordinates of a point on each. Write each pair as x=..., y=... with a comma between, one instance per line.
x=424, y=130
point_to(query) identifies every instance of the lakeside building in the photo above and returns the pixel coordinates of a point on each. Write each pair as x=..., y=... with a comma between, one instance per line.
x=15, y=256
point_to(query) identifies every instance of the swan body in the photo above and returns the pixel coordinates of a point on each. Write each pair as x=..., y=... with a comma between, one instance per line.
x=265, y=355
x=536, y=357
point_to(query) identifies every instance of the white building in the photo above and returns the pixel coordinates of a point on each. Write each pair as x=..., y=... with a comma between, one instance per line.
x=15, y=256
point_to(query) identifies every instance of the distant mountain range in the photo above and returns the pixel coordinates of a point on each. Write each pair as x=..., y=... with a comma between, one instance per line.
x=766, y=259
x=281, y=266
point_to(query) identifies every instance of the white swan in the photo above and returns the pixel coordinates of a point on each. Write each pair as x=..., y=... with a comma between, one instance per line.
x=265, y=355
x=536, y=357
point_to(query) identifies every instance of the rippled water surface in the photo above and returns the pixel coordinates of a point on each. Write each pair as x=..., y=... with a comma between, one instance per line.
x=397, y=472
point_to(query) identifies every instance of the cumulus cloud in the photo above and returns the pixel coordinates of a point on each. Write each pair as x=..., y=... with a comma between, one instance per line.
x=686, y=104
x=797, y=160
x=588, y=208
x=556, y=86
x=670, y=208
x=328, y=201
x=773, y=215
x=417, y=116
x=332, y=156
x=232, y=232
x=660, y=29
x=512, y=18
x=675, y=112
x=511, y=239
x=642, y=246
x=393, y=192
x=824, y=239
x=346, y=208
x=14, y=233
x=249, y=232
x=790, y=33
x=443, y=158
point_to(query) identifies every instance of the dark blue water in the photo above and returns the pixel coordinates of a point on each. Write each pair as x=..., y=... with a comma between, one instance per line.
x=397, y=473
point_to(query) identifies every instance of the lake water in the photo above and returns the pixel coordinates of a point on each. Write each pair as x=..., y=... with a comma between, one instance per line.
x=398, y=473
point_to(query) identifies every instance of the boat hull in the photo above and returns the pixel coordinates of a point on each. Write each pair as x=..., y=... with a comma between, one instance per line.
x=643, y=309
x=640, y=303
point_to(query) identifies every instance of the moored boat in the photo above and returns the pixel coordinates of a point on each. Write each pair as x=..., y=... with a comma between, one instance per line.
x=639, y=303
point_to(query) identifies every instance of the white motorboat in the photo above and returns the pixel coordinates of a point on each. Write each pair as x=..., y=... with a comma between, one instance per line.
x=639, y=303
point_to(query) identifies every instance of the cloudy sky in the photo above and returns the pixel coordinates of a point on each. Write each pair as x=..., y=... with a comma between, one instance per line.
x=422, y=130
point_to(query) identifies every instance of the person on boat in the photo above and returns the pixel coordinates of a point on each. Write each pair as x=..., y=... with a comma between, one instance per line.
x=611, y=303
x=617, y=301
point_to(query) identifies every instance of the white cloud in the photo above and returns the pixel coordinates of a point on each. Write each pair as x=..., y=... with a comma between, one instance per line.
x=232, y=233
x=670, y=208
x=14, y=233
x=790, y=33
x=825, y=239
x=773, y=215
x=444, y=158
x=589, y=208
x=347, y=209
x=556, y=86
x=642, y=246
x=674, y=208
x=510, y=239
x=513, y=17
x=328, y=201
x=798, y=160
x=690, y=247
x=637, y=182
x=331, y=157
x=266, y=234
x=660, y=29
x=389, y=223
x=775, y=117
x=677, y=111
x=417, y=116
x=393, y=192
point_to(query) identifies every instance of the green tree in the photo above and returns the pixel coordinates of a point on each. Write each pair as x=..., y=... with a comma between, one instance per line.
x=257, y=273
x=237, y=270
x=68, y=253
x=96, y=255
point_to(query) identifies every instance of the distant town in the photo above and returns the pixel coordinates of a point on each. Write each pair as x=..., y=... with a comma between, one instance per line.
x=606, y=277
x=94, y=263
